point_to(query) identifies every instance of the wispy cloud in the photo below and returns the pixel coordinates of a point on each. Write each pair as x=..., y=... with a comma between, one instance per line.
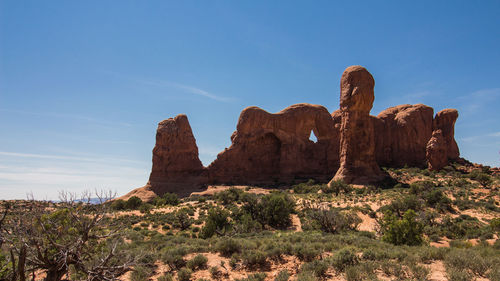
x=185, y=88
x=170, y=84
x=65, y=157
x=497, y=134
x=70, y=116
x=476, y=100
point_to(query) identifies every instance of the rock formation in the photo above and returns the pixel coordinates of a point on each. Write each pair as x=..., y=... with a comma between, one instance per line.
x=445, y=121
x=437, y=151
x=268, y=149
x=402, y=133
x=275, y=148
x=357, y=136
x=176, y=166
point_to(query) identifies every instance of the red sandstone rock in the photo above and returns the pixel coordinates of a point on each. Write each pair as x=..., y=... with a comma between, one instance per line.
x=357, y=143
x=401, y=135
x=445, y=121
x=275, y=148
x=176, y=166
x=437, y=151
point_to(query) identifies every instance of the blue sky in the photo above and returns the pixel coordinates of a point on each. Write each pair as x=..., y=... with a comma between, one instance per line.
x=83, y=84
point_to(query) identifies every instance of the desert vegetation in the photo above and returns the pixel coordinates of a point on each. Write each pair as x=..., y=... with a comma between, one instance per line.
x=421, y=225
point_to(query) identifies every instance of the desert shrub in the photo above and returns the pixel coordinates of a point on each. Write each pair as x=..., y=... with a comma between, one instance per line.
x=244, y=223
x=274, y=210
x=253, y=259
x=404, y=231
x=229, y=196
x=465, y=259
x=133, y=203
x=305, y=252
x=254, y=277
x=184, y=274
x=483, y=178
x=182, y=219
x=198, y=262
x=333, y=220
x=317, y=267
x=140, y=273
x=400, y=205
x=174, y=257
x=421, y=187
x=306, y=276
x=283, y=275
x=166, y=277
x=463, y=226
x=227, y=247
x=118, y=205
x=495, y=224
x=458, y=275
x=158, y=201
x=419, y=272
x=306, y=187
x=145, y=208
x=215, y=272
x=171, y=199
x=436, y=199
x=216, y=223
x=337, y=187
x=344, y=258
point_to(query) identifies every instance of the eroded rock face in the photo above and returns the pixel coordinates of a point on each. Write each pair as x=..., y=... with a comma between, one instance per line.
x=445, y=121
x=275, y=148
x=437, y=151
x=402, y=133
x=176, y=166
x=357, y=142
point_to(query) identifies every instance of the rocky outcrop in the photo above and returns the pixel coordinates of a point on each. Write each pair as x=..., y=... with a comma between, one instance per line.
x=402, y=133
x=268, y=148
x=445, y=121
x=437, y=151
x=275, y=148
x=176, y=166
x=357, y=136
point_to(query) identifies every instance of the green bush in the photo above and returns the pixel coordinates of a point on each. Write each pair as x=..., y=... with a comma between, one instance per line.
x=344, y=258
x=254, y=277
x=174, y=257
x=283, y=275
x=333, y=220
x=275, y=209
x=118, y=204
x=184, y=274
x=166, y=277
x=198, y=262
x=140, y=273
x=317, y=267
x=217, y=222
x=133, y=203
x=215, y=272
x=253, y=259
x=405, y=231
x=306, y=187
x=227, y=247
x=337, y=187
x=171, y=199
x=229, y=196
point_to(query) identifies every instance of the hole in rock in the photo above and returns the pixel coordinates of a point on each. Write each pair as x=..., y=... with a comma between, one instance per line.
x=312, y=137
